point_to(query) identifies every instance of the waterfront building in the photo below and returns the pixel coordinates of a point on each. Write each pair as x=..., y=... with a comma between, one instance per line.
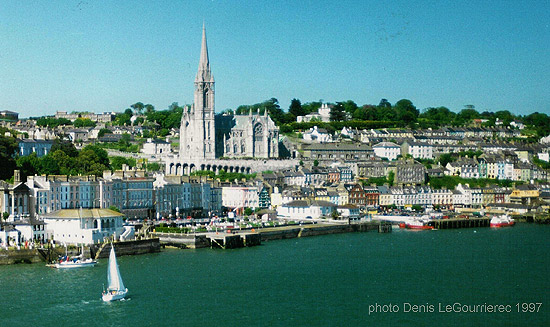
x=358, y=196
x=83, y=226
x=385, y=198
x=442, y=198
x=55, y=192
x=15, y=199
x=524, y=194
x=349, y=211
x=305, y=209
x=238, y=196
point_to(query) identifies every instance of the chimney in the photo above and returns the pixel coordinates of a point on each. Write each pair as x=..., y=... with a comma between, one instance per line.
x=16, y=176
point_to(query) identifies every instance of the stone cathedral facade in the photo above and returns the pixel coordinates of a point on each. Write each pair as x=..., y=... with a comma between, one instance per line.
x=205, y=136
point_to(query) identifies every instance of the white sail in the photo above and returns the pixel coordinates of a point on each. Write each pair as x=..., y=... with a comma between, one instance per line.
x=113, y=274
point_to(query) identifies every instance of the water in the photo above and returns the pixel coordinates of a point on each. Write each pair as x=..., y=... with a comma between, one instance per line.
x=318, y=281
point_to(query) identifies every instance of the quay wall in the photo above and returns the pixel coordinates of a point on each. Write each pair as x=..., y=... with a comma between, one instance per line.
x=150, y=245
x=185, y=241
x=10, y=257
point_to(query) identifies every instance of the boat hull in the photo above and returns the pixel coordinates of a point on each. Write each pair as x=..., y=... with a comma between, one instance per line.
x=114, y=296
x=510, y=224
x=419, y=227
x=70, y=264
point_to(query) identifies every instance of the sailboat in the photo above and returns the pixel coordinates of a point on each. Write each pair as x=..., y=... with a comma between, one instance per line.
x=116, y=289
x=74, y=262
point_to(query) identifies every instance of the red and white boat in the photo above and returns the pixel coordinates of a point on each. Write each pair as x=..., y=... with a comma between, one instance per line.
x=416, y=224
x=502, y=221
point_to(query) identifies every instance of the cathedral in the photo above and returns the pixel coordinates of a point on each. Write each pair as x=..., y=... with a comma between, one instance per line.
x=205, y=136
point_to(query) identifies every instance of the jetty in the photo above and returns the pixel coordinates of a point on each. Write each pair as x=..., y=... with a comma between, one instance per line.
x=255, y=236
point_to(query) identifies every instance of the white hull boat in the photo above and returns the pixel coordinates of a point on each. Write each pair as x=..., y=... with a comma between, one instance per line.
x=79, y=263
x=115, y=290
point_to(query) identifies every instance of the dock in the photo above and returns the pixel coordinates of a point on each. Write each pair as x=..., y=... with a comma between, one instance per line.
x=462, y=223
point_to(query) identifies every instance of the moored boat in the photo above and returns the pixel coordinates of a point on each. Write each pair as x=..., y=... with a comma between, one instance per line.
x=502, y=221
x=416, y=224
x=76, y=262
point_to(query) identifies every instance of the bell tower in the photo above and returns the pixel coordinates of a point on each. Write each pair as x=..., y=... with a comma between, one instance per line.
x=197, y=132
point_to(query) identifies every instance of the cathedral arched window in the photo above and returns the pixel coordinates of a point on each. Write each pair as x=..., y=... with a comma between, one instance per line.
x=205, y=97
x=242, y=147
x=234, y=148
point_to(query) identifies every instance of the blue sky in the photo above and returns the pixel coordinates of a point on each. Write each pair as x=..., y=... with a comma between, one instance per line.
x=105, y=55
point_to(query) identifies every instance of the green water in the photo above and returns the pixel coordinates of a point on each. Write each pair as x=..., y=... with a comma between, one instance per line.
x=317, y=281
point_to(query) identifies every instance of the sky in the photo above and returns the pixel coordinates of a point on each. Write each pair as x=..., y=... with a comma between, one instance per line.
x=103, y=56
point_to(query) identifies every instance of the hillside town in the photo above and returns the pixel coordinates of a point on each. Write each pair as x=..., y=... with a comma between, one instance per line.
x=80, y=177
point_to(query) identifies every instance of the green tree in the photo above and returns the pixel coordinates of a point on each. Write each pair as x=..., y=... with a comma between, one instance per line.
x=92, y=160
x=64, y=145
x=406, y=111
x=337, y=112
x=138, y=107
x=28, y=165
x=49, y=165
x=445, y=158
x=310, y=107
x=83, y=122
x=391, y=177
x=8, y=147
x=315, y=163
x=296, y=108
x=103, y=131
x=349, y=106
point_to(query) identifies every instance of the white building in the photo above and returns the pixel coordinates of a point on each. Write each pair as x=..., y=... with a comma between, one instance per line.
x=418, y=150
x=303, y=209
x=156, y=147
x=315, y=134
x=240, y=196
x=387, y=150
x=83, y=226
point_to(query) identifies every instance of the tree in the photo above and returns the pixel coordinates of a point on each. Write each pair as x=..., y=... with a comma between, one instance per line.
x=406, y=111
x=92, y=160
x=310, y=107
x=337, y=112
x=138, y=107
x=384, y=103
x=28, y=165
x=349, y=106
x=445, y=158
x=83, y=122
x=391, y=177
x=103, y=131
x=66, y=146
x=149, y=108
x=315, y=163
x=8, y=147
x=296, y=108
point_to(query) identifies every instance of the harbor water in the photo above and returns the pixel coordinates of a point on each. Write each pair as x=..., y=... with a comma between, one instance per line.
x=477, y=277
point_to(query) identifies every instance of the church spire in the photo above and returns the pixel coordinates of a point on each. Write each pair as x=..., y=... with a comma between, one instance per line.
x=204, y=74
